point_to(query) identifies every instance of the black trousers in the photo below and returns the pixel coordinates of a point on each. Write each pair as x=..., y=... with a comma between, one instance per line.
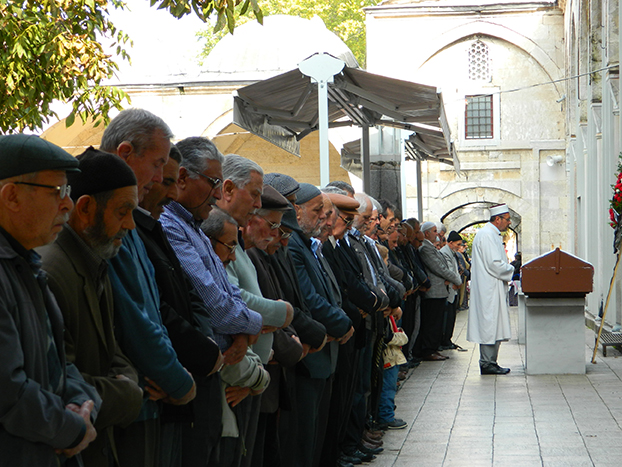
x=449, y=322
x=431, y=331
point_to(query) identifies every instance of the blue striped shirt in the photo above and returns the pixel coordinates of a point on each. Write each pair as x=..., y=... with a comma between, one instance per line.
x=229, y=314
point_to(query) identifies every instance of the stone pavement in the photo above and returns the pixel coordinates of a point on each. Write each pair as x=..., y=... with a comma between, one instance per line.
x=458, y=418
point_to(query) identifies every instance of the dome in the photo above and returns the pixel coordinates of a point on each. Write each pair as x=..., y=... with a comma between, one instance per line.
x=256, y=52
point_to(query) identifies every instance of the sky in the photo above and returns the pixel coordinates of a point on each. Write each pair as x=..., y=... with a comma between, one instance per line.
x=163, y=45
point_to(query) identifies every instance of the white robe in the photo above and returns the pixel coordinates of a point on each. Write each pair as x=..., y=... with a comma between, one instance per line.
x=489, y=317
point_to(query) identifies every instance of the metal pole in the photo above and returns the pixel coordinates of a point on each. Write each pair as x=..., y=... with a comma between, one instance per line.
x=322, y=68
x=419, y=193
x=322, y=109
x=365, y=162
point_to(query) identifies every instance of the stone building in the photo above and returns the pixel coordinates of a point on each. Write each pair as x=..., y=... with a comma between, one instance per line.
x=593, y=128
x=497, y=64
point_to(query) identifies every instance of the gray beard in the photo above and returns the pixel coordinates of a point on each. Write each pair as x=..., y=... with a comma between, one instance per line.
x=102, y=245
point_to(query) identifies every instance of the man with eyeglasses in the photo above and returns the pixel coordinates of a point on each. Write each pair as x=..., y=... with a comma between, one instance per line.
x=235, y=326
x=242, y=199
x=489, y=317
x=186, y=318
x=246, y=378
x=279, y=342
x=260, y=230
x=47, y=409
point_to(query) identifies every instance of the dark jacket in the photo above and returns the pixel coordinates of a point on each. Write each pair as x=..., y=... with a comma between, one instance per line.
x=309, y=331
x=287, y=351
x=74, y=277
x=185, y=317
x=33, y=418
x=320, y=300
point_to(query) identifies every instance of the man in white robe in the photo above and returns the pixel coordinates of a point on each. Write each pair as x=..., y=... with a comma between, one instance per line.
x=489, y=318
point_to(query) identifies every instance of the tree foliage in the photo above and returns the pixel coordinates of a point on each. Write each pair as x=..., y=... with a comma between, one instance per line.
x=52, y=50
x=345, y=18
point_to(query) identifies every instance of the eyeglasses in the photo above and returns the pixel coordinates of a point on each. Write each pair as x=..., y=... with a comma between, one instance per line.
x=284, y=234
x=215, y=182
x=272, y=226
x=348, y=222
x=61, y=190
x=232, y=248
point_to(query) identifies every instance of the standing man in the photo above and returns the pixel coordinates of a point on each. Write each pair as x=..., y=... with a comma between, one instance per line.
x=187, y=321
x=46, y=408
x=489, y=317
x=104, y=193
x=143, y=141
x=434, y=300
x=450, y=252
x=314, y=378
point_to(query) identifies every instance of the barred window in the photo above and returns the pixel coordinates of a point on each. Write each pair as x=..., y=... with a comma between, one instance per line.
x=479, y=62
x=478, y=117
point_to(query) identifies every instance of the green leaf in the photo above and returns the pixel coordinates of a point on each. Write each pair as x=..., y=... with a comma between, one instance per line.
x=70, y=119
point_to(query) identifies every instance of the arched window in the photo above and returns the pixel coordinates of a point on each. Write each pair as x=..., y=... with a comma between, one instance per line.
x=479, y=62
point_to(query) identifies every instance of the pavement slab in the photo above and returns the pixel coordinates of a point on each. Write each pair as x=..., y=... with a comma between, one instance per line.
x=457, y=417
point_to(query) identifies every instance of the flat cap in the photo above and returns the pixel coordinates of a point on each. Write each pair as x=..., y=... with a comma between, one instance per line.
x=345, y=204
x=272, y=200
x=454, y=237
x=282, y=183
x=290, y=220
x=22, y=154
x=306, y=193
x=99, y=172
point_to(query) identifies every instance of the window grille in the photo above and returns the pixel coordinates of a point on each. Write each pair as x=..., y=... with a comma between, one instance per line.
x=479, y=62
x=478, y=117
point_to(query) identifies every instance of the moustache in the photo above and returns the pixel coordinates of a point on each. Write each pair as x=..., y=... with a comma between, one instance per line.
x=121, y=233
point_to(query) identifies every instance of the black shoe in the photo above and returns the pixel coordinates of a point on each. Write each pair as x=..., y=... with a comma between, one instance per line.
x=379, y=426
x=349, y=460
x=343, y=463
x=493, y=369
x=397, y=424
x=371, y=450
x=360, y=455
x=458, y=348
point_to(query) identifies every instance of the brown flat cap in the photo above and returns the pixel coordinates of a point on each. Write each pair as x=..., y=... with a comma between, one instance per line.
x=345, y=204
x=272, y=200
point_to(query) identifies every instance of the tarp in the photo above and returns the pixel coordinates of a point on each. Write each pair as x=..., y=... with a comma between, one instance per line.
x=284, y=109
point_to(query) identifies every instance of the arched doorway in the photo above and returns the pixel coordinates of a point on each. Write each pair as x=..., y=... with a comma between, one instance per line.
x=466, y=217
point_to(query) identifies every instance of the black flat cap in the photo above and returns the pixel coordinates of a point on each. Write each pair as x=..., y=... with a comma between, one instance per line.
x=22, y=154
x=99, y=172
x=272, y=200
x=284, y=184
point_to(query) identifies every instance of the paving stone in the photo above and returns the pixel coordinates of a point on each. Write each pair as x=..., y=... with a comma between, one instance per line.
x=459, y=418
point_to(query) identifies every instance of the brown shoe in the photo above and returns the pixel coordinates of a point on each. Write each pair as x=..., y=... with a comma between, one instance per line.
x=374, y=442
x=375, y=435
x=371, y=446
x=435, y=357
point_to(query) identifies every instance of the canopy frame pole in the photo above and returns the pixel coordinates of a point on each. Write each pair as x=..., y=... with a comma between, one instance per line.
x=322, y=68
x=365, y=159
